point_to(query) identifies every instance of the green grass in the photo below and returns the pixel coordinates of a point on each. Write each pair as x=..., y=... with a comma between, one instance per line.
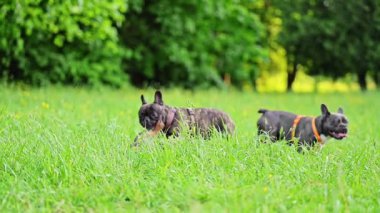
x=66, y=149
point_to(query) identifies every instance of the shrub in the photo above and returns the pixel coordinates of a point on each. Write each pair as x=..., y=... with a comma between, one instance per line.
x=70, y=41
x=192, y=42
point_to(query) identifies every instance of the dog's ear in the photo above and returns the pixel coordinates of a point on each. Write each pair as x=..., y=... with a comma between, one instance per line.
x=158, y=98
x=143, y=100
x=325, y=111
x=340, y=110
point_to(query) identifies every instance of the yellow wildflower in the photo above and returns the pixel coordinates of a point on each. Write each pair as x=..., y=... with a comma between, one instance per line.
x=265, y=189
x=45, y=105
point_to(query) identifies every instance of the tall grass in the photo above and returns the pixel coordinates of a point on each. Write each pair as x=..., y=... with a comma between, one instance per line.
x=67, y=149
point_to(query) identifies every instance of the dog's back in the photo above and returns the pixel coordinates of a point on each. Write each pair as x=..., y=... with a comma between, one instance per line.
x=273, y=122
x=206, y=119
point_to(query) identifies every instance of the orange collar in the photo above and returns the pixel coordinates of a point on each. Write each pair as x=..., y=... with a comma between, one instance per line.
x=315, y=131
x=313, y=126
x=295, y=124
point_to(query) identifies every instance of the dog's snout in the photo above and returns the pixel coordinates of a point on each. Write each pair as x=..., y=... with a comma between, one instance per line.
x=144, y=123
x=344, y=128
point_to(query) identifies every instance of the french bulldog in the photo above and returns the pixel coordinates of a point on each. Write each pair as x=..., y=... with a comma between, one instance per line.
x=158, y=117
x=305, y=130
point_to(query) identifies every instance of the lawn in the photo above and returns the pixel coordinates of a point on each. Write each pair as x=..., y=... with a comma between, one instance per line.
x=68, y=149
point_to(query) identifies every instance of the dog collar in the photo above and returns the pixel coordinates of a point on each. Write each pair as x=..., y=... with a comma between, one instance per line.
x=315, y=131
x=170, y=118
x=313, y=126
x=295, y=124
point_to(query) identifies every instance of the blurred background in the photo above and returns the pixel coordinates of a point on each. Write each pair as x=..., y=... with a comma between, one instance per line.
x=260, y=45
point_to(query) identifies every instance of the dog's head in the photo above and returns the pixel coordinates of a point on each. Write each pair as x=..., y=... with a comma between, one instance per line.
x=334, y=124
x=151, y=114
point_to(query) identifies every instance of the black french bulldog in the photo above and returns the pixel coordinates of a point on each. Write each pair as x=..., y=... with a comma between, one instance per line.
x=158, y=117
x=308, y=130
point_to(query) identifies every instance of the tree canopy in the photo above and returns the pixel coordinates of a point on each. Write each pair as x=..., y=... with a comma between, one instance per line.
x=193, y=43
x=331, y=38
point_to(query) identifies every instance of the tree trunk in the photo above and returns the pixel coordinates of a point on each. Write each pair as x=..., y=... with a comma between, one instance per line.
x=254, y=77
x=291, y=77
x=376, y=78
x=15, y=71
x=362, y=81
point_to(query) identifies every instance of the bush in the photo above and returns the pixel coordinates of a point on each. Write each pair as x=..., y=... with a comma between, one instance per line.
x=70, y=41
x=192, y=42
x=187, y=43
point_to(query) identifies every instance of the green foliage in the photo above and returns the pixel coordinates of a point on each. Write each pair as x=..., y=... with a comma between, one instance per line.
x=332, y=38
x=357, y=42
x=276, y=61
x=71, y=153
x=193, y=42
x=69, y=42
x=187, y=43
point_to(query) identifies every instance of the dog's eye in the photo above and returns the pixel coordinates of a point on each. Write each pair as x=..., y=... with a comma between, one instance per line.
x=154, y=116
x=337, y=121
x=344, y=120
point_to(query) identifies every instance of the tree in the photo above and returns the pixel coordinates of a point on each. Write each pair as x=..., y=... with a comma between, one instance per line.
x=268, y=14
x=331, y=37
x=296, y=34
x=192, y=42
x=355, y=41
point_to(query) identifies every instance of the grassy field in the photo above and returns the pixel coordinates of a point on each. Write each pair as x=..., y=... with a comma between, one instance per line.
x=66, y=149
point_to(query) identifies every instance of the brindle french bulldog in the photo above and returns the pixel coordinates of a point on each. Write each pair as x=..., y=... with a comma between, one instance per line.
x=158, y=117
x=307, y=130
